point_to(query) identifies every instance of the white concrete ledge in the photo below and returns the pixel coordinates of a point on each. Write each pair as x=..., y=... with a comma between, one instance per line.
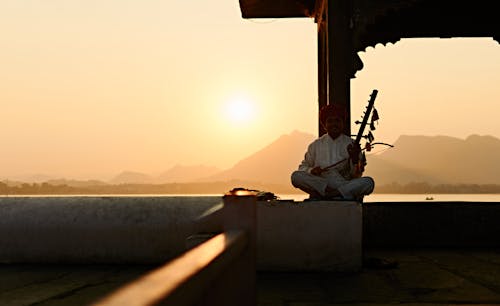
x=97, y=229
x=309, y=236
x=291, y=236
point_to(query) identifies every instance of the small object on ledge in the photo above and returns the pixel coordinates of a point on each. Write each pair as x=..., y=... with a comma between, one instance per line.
x=261, y=195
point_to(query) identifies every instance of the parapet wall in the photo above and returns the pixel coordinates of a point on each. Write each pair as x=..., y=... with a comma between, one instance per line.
x=431, y=224
x=291, y=236
x=97, y=229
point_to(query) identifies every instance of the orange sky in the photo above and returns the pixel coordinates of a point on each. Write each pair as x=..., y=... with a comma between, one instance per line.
x=91, y=88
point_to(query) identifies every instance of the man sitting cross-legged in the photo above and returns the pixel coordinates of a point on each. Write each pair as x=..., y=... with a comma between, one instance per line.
x=315, y=175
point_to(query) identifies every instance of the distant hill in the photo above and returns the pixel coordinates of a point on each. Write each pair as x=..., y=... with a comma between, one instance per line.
x=431, y=159
x=131, y=177
x=272, y=164
x=76, y=183
x=37, y=178
x=386, y=172
x=439, y=159
x=182, y=174
x=176, y=174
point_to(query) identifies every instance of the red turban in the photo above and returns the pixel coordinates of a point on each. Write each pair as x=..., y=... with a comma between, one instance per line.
x=331, y=110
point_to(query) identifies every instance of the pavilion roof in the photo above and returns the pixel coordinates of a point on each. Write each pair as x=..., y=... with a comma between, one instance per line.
x=384, y=21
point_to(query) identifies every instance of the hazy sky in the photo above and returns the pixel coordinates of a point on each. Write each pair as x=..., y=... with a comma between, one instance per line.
x=90, y=88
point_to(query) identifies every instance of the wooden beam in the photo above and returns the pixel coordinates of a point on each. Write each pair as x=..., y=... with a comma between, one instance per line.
x=184, y=280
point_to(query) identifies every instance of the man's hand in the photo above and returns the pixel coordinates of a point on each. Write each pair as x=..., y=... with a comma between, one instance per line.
x=316, y=170
x=354, y=149
x=359, y=168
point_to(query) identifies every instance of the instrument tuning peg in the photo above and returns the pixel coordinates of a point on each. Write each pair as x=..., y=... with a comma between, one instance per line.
x=370, y=137
x=375, y=116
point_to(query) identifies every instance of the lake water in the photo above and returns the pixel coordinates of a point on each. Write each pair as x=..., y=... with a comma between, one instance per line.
x=302, y=196
x=414, y=197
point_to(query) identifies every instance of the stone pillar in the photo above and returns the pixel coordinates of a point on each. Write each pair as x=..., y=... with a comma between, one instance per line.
x=340, y=52
x=322, y=69
x=237, y=284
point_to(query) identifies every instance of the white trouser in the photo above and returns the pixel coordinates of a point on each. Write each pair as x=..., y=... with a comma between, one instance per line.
x=314, y=185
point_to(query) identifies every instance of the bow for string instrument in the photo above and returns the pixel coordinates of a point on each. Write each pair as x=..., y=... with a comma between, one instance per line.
x=362, y=161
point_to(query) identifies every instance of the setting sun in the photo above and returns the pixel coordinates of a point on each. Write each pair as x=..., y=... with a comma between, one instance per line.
x=240, y=109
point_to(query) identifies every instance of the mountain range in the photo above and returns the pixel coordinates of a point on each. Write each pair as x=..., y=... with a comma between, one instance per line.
x=430, y=159
x=438, y=160
x=176, y=174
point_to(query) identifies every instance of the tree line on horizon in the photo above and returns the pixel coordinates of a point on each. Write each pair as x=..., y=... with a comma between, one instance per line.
x=168, y=188
x=223, y=187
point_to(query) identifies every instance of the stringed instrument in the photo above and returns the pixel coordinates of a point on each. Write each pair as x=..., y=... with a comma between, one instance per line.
x=360, y=166
x=366, y=116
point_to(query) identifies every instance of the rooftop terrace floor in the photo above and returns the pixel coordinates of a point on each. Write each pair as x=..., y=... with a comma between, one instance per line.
x=423, y=277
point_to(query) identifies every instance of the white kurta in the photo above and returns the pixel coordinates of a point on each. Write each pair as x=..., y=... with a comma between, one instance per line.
x=326, y=151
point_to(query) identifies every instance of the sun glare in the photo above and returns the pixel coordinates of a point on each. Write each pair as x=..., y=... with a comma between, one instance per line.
x=240, y=110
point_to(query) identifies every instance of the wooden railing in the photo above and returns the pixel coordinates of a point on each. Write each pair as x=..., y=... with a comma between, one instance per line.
x=220, y=271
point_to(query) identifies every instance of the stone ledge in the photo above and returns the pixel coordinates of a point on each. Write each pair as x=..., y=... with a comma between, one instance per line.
x=106, y=229
x=291, y=236
x=309, y=236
